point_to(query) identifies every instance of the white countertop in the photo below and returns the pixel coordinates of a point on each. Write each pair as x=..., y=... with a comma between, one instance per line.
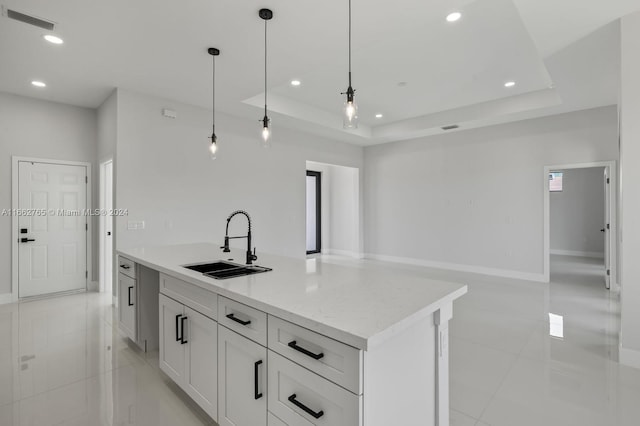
x=362, y=304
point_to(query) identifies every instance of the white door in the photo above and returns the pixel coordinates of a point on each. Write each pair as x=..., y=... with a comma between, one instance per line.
x=127, y=305
x=108, y=227
x=607, y=228
x=52, y=253
x=242, y=380
x=201, y=369
x=171, y=338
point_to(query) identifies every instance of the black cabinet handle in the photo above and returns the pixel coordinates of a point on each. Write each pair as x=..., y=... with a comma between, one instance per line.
x=293, y=345
x=26, y=240
x=129, y=291
x=125, y=266
x=256, y=369
x=232, y=317
x=182, y=321
x=178, y=338
x=306, y=409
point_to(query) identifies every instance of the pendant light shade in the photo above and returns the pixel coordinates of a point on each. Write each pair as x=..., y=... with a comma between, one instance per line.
x=213, y=148
x=266, y=15
x=350, y=109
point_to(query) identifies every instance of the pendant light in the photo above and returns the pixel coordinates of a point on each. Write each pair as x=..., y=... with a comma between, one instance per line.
x=265, y=14
x=213, y=148
x=350, y=110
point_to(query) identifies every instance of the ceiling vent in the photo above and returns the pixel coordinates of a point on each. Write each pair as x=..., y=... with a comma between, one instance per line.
x=28, y=19
x=453, y=126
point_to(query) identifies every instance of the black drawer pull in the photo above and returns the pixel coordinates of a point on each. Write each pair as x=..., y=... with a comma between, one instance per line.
x=293, y=345
x=125, y=266
x=232, y=317
x=129, y=291
x=182, y=321
x=306, y=409
x=256, y=368
x=178, y=338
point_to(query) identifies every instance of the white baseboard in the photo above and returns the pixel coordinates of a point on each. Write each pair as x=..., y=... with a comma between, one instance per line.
x=346, y=253
x=593, y=254
x=629, y=357
x=528, y=276
x=6, y=298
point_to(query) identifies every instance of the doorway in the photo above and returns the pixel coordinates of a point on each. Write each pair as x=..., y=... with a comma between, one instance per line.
x=314, y=212
x=51, y=230
x=580, y=226
x=106, y=227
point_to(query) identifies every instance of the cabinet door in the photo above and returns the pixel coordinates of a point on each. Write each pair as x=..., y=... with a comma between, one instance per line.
x=172, y=348
x=242, y=380
x=127, y=305
x=201, y=372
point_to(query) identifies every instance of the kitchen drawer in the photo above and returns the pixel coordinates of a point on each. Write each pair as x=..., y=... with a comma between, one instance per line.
x=127, y=267
x=340, y=363
x=196, y=298
x=243, y=319
x=302, y=398
x=274, y=421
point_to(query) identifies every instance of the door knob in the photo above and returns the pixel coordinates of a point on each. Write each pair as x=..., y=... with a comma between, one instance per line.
x=602, y=230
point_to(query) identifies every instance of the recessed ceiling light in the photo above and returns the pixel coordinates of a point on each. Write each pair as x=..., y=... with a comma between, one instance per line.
x=510, y=84
x=378, y=115
x=295, y=82
x=402, y=84
x=38, y=83
x=454, y=16
x=53, y=39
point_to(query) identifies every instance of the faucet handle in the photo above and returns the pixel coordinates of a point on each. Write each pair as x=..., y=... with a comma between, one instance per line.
x=253, y=256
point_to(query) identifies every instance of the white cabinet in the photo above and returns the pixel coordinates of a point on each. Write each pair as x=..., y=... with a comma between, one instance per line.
x=127, y=305
x=188, y=352
x=242, y=383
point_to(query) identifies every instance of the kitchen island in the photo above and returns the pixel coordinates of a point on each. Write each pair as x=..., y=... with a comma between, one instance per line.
x=312, y=342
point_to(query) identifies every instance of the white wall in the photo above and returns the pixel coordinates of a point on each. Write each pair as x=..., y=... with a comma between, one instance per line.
x=40, y=129
x=630, y=201
x=577, y=213
x=165, y=176
x=473, y=200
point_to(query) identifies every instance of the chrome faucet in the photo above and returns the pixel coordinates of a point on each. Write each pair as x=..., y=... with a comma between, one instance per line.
x=225, y=248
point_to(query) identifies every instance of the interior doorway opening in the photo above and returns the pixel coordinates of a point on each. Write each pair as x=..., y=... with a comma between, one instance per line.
x=333, y=210
x=580, y=226
x=106, y=227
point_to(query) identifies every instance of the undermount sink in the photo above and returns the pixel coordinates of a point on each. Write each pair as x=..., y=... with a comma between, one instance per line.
x=223, y=269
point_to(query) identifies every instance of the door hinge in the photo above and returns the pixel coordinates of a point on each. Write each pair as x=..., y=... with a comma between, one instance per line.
x=608, y=226
x=86, y=179
x=608, y=180
x=608, y=272
x=86, y=226
x=86, y=274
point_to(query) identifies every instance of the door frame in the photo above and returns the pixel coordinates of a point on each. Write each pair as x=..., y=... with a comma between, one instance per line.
x=318, y=177
x=613, y=215
x=15, y=160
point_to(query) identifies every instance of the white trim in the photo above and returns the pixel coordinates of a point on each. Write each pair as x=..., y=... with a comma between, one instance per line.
x=629, y=357
x=528, y=276
x=14, y=219
x=592, y=254
x=6, y=298
x=346, y=253
x=613, y=176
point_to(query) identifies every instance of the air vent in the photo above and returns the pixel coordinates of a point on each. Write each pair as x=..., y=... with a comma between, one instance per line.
x=453, y=126
x=28, y=19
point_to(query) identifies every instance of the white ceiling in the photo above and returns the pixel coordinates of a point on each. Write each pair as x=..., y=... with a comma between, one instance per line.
x=562, y=53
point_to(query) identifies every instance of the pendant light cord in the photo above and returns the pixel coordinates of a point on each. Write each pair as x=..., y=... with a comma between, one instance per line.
x=265, y=68
x=349, y=43
x=213, y=100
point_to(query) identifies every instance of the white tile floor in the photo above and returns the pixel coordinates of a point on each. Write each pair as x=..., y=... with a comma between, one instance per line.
x=62, y=362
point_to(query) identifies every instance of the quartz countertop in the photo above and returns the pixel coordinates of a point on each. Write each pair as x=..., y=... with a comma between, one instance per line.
x=360, y=303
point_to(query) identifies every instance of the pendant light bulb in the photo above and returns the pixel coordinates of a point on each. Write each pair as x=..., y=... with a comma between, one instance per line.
x=213, y=148
x=350, y=109
x=266, y=15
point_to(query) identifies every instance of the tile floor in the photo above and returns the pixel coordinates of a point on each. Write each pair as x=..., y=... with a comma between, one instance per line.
x=62, y=361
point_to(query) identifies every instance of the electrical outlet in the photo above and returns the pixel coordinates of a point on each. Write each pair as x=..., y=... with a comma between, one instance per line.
x=135, y=225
